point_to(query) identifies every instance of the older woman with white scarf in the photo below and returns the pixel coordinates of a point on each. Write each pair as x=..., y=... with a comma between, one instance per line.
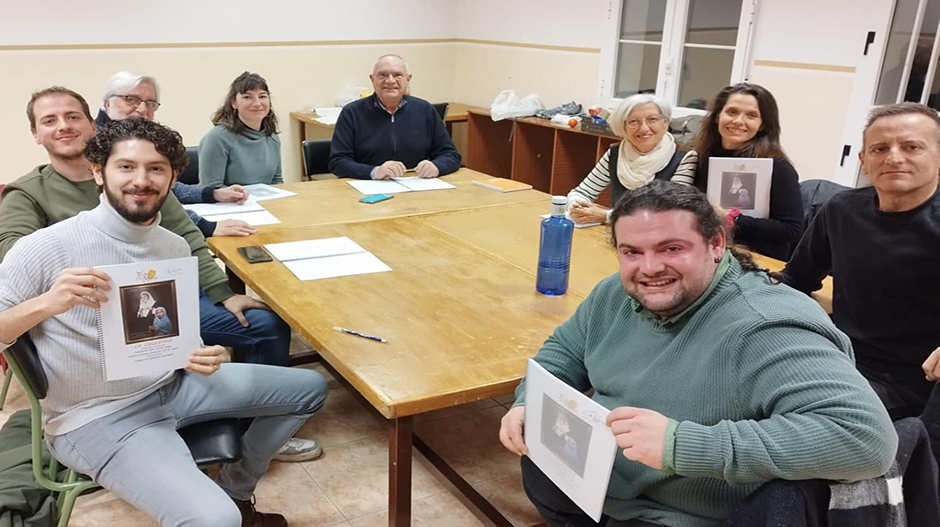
x=646, y=153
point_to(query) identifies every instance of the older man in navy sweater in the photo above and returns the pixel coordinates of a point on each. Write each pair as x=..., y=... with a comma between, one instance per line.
x=382, y=136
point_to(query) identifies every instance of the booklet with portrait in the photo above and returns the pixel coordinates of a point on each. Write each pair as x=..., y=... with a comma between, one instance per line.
x=567, y=436
x=150, y=323
x=741, y=183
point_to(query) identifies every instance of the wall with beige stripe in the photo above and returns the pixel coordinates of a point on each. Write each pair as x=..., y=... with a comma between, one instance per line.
x=458, y=50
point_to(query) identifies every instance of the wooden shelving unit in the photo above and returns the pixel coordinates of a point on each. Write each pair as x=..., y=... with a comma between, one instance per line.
x=551, y=158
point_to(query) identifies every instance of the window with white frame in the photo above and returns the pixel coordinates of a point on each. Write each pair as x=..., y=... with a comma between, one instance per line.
x=683, y=50
x=909, y=70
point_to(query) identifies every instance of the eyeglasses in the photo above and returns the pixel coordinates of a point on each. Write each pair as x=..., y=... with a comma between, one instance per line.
x=384, y=75
x=651, y=121
x=133, y=101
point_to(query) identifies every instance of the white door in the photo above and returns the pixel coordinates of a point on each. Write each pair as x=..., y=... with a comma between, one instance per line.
x=900, y=65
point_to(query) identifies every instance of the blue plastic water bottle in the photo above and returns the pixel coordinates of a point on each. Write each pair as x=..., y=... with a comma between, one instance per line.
x=555, y=250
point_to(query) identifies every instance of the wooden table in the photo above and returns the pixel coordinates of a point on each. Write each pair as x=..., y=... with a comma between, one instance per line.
x=592, y=260
x=460, y=325
x=335, y=201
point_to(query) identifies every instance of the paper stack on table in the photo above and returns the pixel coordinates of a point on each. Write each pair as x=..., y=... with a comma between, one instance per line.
x=326, y=258
x=251, y=212
x=262, y=192
x=568, y=438
x=398, y=185
x=327, y=116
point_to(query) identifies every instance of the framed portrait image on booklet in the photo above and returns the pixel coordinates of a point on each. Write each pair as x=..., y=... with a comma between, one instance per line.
x=741, y=183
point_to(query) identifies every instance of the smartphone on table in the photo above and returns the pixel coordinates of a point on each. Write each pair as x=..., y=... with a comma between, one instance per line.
x=375, y=198
x=255, y=254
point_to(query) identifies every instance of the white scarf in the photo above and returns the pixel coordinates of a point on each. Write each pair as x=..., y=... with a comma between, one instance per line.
x=145, y=307
x=635, y=169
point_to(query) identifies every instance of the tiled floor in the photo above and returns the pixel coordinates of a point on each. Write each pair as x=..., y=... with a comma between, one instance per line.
x=348, y=486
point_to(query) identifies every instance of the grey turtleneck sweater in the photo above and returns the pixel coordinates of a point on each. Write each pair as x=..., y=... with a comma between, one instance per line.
x=245, y=158
x=68, y=344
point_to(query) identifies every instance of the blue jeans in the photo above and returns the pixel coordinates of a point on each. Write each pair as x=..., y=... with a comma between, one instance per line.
x=137, y=453
x=266, y=340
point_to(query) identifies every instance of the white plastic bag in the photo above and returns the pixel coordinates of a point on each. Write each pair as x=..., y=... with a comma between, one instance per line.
x=508, y=105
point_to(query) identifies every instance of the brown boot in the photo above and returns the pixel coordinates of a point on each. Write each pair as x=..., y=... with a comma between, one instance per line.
x=253, y=518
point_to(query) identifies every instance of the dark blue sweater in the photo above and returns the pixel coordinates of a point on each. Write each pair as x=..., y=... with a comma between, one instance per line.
x=366, y=136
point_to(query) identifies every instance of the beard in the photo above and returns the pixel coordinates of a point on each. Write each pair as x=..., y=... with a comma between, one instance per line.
x=131, y=213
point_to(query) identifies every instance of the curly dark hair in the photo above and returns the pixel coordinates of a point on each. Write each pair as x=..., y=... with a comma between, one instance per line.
x=661, y=196
x=228, y=117
x=166, y=141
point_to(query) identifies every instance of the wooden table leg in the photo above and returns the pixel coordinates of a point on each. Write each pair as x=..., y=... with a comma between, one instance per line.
x=400, y=435
x=235, y=282
x=303, y=162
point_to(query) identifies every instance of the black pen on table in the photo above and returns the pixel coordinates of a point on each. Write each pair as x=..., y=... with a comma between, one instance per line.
x=356, y=333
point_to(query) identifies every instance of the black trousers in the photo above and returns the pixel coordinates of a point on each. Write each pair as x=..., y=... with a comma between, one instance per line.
x=901, y=401
x=556, y=508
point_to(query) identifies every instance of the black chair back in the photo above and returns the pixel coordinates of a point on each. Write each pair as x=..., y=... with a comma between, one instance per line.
x=23, y=351
x=815, y=193
x=190, y=174
x=441, y=108
x=317, y=157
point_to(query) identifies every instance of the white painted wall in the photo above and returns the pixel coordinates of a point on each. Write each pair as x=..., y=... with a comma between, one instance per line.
x=58, y=22
x=547, y=22
x=820, y=111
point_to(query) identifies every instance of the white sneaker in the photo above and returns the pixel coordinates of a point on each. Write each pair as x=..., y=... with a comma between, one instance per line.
x=296, y=450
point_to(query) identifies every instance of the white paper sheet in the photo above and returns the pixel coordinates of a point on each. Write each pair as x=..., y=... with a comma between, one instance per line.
x=333, y=266
x=307, y=249
x=576, y=224
x=261, y=192
x=150, y=323
x=210, y=209
x=568, y=439
x=741, y=183
x=255, y=219
x=418, y=184
x=378, y=186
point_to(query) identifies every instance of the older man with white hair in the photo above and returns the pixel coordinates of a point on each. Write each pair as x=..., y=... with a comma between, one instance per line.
x=128, y=94
x=391, y=132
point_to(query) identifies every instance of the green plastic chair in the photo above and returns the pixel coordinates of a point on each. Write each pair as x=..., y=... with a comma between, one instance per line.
x=210, y=442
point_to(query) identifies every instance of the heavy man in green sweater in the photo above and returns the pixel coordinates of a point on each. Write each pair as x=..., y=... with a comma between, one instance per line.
x=717, y=378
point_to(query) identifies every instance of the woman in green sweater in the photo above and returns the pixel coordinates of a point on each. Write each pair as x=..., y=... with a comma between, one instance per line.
x=244, y=147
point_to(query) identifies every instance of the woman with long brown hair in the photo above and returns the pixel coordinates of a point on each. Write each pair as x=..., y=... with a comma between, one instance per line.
x=744, y=122
x=244, y=147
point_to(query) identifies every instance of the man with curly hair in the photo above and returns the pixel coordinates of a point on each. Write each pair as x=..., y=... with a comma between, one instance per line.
x=61, y=122
x=124, y=433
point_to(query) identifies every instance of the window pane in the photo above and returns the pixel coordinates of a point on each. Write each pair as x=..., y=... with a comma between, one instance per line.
x=643, y=20
x=918, y=77
x=704, y=73
x=713, y=22
x=637, y=66
x=896, y=51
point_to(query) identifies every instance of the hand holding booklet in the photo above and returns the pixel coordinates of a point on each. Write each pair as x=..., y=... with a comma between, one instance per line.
x=150, y=323
x=567, y=436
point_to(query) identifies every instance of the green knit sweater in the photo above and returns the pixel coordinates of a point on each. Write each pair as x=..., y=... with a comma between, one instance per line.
x=229, y=158
x=760, y=385
x=44, y=197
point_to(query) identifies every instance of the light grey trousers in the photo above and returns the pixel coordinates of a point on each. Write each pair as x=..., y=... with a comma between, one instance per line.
x=137, y=453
